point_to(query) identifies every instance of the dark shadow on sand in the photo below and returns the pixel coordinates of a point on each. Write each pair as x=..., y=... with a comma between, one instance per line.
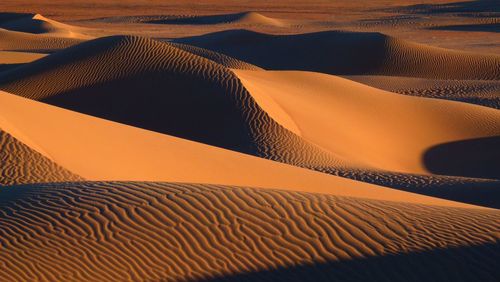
x=479, y=158
x=472, y=263
x=493, y=27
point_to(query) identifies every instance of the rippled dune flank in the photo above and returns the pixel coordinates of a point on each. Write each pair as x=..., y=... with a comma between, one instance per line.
x=160, y=231
x=249, y=141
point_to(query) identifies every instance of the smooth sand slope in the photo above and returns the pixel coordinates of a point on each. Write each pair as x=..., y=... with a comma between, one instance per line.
x=480, y=92
x=176, y=232
x=120, y=152
x=376, y=128
x=352, y=53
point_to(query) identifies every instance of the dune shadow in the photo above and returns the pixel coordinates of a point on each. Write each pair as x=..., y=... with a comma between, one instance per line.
x=479, y=158
x=492, y=27
x=201, y=20
x=7, y=17
x=475, y=6
x=470, y=263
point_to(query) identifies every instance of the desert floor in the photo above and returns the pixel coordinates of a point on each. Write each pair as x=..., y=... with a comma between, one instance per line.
x=249, y=140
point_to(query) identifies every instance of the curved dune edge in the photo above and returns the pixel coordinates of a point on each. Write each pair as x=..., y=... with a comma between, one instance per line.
x=120, y=152
x=348, y=53
x=380, y=129
x=98, y=231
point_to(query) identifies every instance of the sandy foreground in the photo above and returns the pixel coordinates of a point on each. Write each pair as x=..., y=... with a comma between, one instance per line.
x=249, y=141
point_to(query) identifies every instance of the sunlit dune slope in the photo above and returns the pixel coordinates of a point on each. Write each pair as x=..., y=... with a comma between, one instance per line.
x=160, y=87
x=348, y=53
x=168, y=232
x=120, y=152
x=377, y=128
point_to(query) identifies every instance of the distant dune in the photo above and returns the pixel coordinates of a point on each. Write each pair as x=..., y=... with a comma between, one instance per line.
x=245, y=18
x=38, y=24
x=348, y=53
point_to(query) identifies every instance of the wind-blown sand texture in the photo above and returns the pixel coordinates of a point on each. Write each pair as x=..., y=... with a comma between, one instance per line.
x=249, y=140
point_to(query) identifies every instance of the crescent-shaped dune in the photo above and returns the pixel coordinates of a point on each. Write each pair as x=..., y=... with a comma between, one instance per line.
x=170, y=232
x=348, y=53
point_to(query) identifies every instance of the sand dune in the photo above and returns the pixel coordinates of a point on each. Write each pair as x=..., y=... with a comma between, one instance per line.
x=379, y=129
x=245, y=18
x=194, y=141
x=120, y=152
x=38, y=24
x=169, y=232
x=485, y=93
x=217, y=57
x=162, y=88
x=348, y=53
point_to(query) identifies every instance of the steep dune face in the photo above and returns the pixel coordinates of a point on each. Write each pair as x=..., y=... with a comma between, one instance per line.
x=348, y=53
x=379, y=129
x=21, y=164
x=159, y=231
x=157, y=86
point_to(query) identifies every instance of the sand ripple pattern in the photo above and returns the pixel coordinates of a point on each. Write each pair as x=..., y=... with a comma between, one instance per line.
x=19, y=164
x=95, y=231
